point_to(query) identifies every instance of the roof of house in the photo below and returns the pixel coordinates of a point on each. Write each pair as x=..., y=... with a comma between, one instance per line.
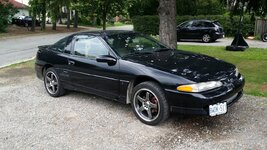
x=16, y=4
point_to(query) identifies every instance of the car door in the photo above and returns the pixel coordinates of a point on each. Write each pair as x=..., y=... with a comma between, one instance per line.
x=89, y=75
x=196, y=30
x=183, y=31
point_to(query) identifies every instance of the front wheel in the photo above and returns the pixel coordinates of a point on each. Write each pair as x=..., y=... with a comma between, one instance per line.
x=264, y=37
x=206, y=38
x=149, y=103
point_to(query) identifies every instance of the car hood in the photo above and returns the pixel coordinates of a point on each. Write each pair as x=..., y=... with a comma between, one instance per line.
x=194, y=67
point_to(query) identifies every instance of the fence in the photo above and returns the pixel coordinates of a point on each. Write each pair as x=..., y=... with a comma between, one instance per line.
x=260, y=26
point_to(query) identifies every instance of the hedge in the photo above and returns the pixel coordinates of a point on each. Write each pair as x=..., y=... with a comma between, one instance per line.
x=150, y=24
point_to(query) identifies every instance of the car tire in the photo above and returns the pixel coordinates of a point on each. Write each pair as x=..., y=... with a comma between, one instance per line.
x=149, y=103
x=52, y=83
x=264, y=37
x=206, y=38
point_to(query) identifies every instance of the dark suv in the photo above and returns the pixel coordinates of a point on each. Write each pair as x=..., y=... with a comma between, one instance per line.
x=205, y=30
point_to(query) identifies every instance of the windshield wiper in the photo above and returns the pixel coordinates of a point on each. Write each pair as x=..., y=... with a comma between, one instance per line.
x=138, y=53
x=162, y=49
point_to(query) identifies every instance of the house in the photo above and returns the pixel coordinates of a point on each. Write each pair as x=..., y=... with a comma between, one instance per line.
x=22, y=8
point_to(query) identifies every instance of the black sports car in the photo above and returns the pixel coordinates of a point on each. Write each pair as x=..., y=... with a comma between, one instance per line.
x=205, y=30
x=135, y=69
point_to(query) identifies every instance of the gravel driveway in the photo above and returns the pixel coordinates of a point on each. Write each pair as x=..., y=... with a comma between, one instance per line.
x=30, y=119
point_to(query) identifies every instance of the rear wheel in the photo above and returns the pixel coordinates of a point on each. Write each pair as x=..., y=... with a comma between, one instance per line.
x=206, y=38
x=264, y=37
x=149, y=103
x=52, y=83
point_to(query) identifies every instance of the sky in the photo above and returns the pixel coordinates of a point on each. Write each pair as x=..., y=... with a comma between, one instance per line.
x=23, y=1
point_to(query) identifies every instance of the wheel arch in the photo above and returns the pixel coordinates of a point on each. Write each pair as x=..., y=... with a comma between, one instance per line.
x=45, y=67
x=136, y=81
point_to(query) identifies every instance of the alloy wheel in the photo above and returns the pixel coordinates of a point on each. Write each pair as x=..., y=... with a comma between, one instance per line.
x=146, y=105
x=51, y=82
x=206, y=38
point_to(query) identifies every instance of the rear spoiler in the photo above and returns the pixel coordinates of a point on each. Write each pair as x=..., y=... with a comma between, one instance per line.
x=43, y=46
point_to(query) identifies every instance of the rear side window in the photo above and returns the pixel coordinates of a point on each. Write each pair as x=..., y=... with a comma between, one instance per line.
x=89, y=47
x=60, y=45
x=208, y=24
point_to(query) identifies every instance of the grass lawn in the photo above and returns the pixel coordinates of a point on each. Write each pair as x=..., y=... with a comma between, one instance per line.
x=252, y=63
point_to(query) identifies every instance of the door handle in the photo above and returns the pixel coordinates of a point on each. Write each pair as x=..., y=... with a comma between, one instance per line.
x=70, y=62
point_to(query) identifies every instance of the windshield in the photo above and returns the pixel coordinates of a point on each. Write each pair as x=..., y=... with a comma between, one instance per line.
x=133, y=43
x=185, y=24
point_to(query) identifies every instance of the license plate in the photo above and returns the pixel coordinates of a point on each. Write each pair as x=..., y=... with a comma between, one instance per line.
x=217, y=109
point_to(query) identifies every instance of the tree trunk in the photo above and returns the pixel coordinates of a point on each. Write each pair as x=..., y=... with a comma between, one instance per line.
x=104, y=19
x=76, y=17
x=68, y=17
x=43, y=16
x=167, y=27
x=54, y=21
x=54, y=26
x=33, y=21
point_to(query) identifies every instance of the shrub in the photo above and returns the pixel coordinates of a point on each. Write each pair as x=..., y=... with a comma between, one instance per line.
x=146, y=24
x=6, y=10
x=150, y=24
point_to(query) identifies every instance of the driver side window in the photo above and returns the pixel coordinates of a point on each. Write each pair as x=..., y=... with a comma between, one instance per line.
x=89, y=47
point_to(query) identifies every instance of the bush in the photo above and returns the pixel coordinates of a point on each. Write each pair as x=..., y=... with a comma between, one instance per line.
x=150, y=24
x=6, y=10
x=146, y=24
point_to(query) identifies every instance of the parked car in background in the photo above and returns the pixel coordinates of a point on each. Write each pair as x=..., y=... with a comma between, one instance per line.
x=135, y=69
x=25, y=21
x=204, y=30
x=264, y=37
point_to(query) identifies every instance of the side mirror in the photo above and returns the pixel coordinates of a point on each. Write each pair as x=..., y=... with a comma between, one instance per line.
x=110, y=60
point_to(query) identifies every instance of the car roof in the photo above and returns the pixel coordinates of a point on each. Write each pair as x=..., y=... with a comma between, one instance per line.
x=205, y=20
x=105, y=33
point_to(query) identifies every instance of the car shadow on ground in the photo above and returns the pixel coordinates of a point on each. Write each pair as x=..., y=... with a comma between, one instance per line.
x=188, y=123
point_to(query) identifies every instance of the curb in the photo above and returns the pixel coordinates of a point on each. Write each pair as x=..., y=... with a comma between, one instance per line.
x=17, y=62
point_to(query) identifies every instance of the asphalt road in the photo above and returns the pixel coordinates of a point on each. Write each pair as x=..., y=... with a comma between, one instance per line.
x=31, y=120
x=16, y=49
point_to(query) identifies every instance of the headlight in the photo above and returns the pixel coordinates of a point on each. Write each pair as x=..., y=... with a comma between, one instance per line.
x=199, y=87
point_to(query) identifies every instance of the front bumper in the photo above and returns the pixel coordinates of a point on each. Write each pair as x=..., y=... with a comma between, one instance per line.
x=219, y=35
x=198, y=103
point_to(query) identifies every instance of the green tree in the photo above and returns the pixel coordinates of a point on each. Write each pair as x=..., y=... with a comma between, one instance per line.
x=7, y=10
x=254, y=7
x=54, y=6
x=104, y=8
x=141, y=8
